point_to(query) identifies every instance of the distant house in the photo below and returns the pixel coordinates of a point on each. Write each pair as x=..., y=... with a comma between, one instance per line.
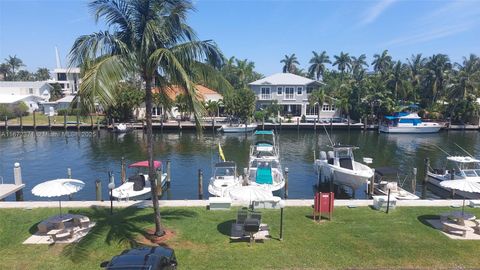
x=68, y=79
x=203, y=93
x=40, y=89
x=30, y=100
x=291, y=92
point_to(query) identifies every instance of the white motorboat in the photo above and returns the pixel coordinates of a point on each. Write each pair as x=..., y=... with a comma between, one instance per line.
x=266, y=173
x=121, y=128
x=225, y=177
x=465, y=168
x=341, y=166
x=408, y=122
x=387, y=178
x=264, y=146
x=138, y=186
x=241, y=128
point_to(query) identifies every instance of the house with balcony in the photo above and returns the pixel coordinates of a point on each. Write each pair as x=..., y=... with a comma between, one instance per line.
x=68, y=78
x=291, y=92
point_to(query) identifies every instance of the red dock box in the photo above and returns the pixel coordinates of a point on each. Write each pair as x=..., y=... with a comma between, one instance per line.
x=323, y=205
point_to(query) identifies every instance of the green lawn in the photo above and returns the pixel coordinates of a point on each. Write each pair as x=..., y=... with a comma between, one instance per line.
x=356, y=238
x=42, y=119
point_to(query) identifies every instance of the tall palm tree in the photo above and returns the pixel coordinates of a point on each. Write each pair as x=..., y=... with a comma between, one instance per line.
x=317, y=64
x=416, y=63
x=398, y=78
x=438, y=70
x=343, y=104
x=244, y=71
x=152, y=40
x=343, y=62
x=359, y=66
x=13, y=62
x=468, y=77
x=382, y=62
x=289, y=63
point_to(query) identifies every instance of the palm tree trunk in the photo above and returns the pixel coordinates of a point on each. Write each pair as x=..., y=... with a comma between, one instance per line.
x=151, y=169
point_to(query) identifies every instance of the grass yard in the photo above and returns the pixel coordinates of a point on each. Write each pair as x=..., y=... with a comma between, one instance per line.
x=356, y=238
x=42, y=119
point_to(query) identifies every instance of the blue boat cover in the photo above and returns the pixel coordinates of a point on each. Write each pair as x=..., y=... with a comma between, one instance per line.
x=264, y=144
x=264, y=132
x=264, y=175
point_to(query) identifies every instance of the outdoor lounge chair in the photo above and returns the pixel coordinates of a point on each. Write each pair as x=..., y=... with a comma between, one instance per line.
x=241, y=216
x=256, y=216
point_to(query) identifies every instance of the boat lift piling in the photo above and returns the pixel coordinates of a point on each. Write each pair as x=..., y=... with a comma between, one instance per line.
x=414, y=180
x=200, y=184
x=98, y=190
x=21, y=122
x=34, y=121
x=17, y=175
x=169, y=173
x=123, y=172
x=286, y=183
x=425, y=178
x=6, y=123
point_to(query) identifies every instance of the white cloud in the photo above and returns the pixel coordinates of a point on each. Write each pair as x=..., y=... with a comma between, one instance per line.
x=373, y=12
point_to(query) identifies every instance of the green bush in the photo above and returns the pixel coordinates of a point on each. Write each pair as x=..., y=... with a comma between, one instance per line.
x=20, y=109
x=259, y=115
x=68, y=111
x=5, y=110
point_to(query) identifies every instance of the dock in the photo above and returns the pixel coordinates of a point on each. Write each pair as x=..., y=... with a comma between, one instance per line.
x=9, y=189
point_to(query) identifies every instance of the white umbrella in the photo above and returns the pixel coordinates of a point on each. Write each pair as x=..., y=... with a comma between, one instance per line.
x=57, y=188
x=250, y=193
x=462, y=185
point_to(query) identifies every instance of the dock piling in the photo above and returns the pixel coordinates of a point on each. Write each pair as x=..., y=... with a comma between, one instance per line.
x=21, y=122
x=78, y=121
x=298, y=124
x=286, y=183
x=159, y=182
x=169, y=175
x=414, y=180
x=123, y=173
x=6, y=123
x=34, y=120
x=49, y=123
x=98, y=190
x=65, y=120
x=425, y=177
x=371, y=185
x=200, y=184
x=388, y=201
x=17, y=175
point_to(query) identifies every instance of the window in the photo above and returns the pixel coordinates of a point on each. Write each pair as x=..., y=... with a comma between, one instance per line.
x=279, y=90
x=68, y=85
x=309, y=89
x=62, y=85
x=30, y=91
x=265, y=93
x=299, y=90
x=312, y=110
x=62, y=76
x=289, y=93
x=156, y=111
x=325, y=107
x=332, y=108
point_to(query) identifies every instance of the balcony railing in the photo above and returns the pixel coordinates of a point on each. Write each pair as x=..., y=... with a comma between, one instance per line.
x=265, y=96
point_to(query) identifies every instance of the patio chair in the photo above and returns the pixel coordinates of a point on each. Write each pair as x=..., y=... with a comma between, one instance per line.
x=256, y=216
x=241, y=216
x=44, y=227
x=81, y=221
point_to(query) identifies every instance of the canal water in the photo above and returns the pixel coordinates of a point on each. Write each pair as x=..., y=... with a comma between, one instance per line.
x=47, y=155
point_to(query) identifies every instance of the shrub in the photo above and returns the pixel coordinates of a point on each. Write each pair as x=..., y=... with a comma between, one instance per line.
x=259, y=115
x=68, y=111
x=5, y=110
x=20, y=109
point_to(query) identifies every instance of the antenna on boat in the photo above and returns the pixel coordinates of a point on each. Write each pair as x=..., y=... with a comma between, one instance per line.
x=464, y=150
x=442, y=150
x=328, y=135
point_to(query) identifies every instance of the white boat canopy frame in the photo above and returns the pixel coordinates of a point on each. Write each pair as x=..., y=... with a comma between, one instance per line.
x=463, y=159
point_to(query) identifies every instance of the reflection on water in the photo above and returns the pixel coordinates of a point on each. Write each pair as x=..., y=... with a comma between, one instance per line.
x=91, y=155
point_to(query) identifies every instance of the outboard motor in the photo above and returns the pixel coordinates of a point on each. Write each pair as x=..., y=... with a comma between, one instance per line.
x=323, y=155
x=330, y=157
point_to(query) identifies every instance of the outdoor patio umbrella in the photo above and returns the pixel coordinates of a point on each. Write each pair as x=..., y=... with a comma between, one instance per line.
x=250, y=194
x=462, y=185
x=58, y=188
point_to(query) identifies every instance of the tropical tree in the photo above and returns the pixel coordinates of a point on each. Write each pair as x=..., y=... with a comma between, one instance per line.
x=24, y=75
x=397, y=78
x=240, y=104
x=436, y=75
x=212, y=107
x=343, y=104
x=317, y=64
x=13, y=63
x=4, y=69
x=42, y=74
x=244, y=70
x=382, y=62
x=56, y=92
x=290, y=63
x=343, y=62
x=127, y=98
x=467, y=78
x=359, y=66
x=416, y=63
x=317, y=97
x=152, y=40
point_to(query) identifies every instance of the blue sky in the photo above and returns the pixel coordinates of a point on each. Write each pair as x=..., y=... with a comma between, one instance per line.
x=264, y=31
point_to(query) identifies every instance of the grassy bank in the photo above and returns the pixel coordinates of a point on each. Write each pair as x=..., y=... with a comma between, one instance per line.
x=42, y=119
x=356, y=238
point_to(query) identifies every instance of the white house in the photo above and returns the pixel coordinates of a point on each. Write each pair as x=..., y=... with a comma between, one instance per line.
x=30, y=100
x=68, y=79
x=40, y=89
x=291, y=92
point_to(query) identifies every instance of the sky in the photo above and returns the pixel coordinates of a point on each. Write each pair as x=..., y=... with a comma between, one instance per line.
x=264, y=31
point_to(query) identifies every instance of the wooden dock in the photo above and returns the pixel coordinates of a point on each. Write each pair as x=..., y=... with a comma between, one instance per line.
x=9, y=189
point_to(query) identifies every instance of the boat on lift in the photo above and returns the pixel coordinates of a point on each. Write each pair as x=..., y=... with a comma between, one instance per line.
x=465, y=168
x=264, y=145
x=224, y=178
x=340, y=166
x=138, y=186
x=265, y=173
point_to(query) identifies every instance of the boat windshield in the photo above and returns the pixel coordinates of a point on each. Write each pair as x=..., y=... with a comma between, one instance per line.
x=264, y=163
x=343, y=153
x=224, y=171
x=470, y=173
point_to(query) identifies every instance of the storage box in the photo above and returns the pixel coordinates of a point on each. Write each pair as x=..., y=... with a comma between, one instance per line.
x=380, y=202
x=219, y=203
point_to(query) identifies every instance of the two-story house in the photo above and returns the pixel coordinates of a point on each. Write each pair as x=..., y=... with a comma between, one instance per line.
x=291, y=92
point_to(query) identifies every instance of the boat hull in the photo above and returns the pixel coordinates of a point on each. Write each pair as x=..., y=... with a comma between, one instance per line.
x=238, y=129
x=436, y=179
x=412, y=129
x=342, y=176
x=126, y=192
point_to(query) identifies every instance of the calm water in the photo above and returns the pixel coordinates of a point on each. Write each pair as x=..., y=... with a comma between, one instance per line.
x=90, y=156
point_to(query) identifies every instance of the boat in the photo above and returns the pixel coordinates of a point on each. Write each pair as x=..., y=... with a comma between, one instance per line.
x=408, y=122
x=340, y=166
x=224, y=178
x=138, y=186
x=121, y=128
x=240, y=128
x=387, y=178
x=465, y=168
x=265, y=173
x=264, y=145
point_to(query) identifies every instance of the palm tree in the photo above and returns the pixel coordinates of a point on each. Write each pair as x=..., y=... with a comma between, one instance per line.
x=343, y=104
x=468, y=76
x=290, y=63
x=317, y=64
x=161, y=99
x=244, y=70
x=359, y=66
x=152, y=40
x=382, y=63
x=437, y=71
x=343, y=62
x=4, y=69
x=212, y=107
x=416, y=63
x=13, y=62
x=42, y=74
x=397, y=78
x=317, y=97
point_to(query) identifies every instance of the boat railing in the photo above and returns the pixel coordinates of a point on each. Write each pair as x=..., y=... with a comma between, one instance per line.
x=1, y=179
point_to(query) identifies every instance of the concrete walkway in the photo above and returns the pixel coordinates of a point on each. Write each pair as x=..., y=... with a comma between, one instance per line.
x=204, y=203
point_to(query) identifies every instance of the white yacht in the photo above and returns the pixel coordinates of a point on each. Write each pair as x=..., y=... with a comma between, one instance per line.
x=225, y=177
x=408, y=122
x=241, y=128
x=266, y=173
x=341, y=166
x=465, y=168
x=138, y=186
x=264, y=145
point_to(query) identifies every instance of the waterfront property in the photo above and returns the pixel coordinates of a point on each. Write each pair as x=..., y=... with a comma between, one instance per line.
x=356, y=238
x=291, y=92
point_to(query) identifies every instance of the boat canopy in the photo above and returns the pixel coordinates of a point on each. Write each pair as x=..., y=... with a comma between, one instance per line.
x=144, y=164
x=399, y=115
x=264, y=132
x=226, y=164
x=462, y=159
x=339, y=147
